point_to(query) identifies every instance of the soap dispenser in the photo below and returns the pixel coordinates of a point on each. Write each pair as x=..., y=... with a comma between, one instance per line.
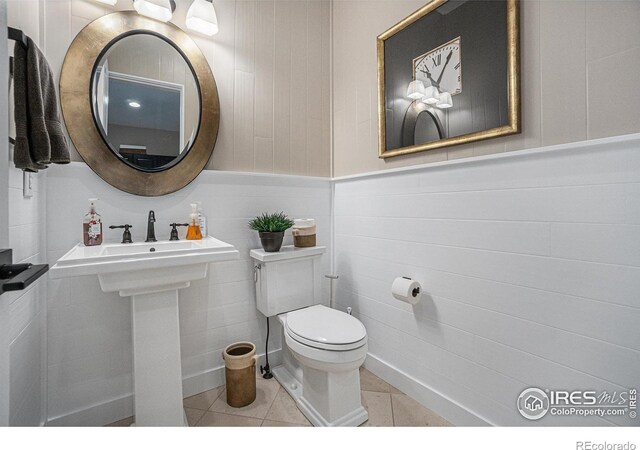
x=202, y=220
x=92, y=225
x=193, y=232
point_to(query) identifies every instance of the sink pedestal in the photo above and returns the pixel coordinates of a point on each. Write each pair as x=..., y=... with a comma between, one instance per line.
x=155, y=332
x=157, y=367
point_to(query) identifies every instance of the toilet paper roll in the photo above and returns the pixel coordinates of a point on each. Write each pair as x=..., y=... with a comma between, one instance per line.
x=406, y=290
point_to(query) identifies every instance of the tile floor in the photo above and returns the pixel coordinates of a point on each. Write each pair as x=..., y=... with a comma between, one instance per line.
x=273, y=407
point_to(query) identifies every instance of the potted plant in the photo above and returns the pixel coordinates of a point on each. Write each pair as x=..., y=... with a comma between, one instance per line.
x=271, y=228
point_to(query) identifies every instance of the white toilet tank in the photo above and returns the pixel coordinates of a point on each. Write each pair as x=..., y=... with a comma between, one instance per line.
x=287, y=280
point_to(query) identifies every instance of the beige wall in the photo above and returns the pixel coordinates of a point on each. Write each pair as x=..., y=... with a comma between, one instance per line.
x=271, y=63
x=580, y=64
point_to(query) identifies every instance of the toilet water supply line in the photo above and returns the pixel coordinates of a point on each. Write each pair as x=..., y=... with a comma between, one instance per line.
x=332, y=279
x=264, y=370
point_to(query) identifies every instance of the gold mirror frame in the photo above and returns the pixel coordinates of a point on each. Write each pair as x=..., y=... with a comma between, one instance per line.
x=75, y=98
x=513, y=77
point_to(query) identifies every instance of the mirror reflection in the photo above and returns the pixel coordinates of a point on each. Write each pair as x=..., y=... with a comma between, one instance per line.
x=146, y=102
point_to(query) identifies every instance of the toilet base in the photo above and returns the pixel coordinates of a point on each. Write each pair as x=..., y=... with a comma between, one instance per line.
x=290, y=383
x=294, y=386
x=353, y=419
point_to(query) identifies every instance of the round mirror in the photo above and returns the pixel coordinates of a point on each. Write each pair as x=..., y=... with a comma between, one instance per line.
x=145, y=101
x=140, y=103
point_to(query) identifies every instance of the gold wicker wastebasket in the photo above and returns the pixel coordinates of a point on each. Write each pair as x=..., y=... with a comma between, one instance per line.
x=240, y=371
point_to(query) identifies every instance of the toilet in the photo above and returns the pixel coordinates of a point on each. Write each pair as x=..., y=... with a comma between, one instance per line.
x=322, y=348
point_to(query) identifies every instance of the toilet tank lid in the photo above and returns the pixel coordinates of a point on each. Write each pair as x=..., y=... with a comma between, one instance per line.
x=325, y=325
x=286, y=252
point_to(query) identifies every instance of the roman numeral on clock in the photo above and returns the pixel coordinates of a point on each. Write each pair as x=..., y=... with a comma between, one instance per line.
x=436, y=60
x=457, y=66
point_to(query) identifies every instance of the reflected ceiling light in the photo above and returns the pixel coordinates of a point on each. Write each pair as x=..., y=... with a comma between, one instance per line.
x=202, y=18
x=134, y=104
x=161, y=10
x=108, y=2
x=431, y=95
x=415, y=90
x=445, y=101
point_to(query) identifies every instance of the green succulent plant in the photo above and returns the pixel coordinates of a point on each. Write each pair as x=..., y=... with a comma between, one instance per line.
x=271, y=222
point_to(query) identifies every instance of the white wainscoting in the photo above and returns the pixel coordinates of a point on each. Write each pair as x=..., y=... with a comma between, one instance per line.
x=89, y=332
x=27, y=309
x=528, y=260
x=530, y=269
x=26, y=234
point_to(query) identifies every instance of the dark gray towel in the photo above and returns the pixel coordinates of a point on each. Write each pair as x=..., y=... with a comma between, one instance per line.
x=40, y=139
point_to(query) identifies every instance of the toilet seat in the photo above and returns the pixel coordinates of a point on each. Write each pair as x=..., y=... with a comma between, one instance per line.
x=325, y=328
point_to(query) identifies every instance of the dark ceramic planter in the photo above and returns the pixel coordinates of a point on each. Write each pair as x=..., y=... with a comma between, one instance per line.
x=271, y=241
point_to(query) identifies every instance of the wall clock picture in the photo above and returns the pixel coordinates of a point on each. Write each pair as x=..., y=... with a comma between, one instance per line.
x=449, y=74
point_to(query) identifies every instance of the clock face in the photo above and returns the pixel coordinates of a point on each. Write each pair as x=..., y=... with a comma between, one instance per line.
x=441, y=67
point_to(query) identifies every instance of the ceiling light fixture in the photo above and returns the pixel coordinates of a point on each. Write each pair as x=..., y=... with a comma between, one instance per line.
x=134, y=104
x=108, y=2
x=202, y=18
x=161, y=10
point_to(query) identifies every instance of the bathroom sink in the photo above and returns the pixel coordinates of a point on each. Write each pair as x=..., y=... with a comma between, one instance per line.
x=112, y=258
x=151, y=274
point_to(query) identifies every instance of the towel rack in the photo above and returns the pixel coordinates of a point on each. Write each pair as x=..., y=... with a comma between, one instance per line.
x=15, y=35
x=16, y=277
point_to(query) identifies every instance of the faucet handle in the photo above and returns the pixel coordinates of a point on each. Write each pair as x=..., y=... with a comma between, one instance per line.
x=126, y=236
x=174, y=230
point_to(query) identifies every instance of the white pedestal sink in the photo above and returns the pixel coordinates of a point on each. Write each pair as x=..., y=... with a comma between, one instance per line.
x=151, y=274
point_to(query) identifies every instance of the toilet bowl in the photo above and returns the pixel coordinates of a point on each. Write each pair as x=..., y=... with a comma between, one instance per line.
x=329, y=346
x=322, y=348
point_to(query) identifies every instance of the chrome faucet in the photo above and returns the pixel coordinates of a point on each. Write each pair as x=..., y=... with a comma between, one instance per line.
x=151, y=232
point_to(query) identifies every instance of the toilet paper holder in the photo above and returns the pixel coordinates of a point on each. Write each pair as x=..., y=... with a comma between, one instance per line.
x=416, y=291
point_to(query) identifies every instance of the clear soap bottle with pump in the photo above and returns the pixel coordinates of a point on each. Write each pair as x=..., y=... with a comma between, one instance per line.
x=92, y=225
x=193, y=232
x=202, y=220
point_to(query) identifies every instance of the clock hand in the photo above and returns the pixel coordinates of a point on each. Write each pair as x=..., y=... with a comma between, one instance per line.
x=428, y=74
x=444, y=67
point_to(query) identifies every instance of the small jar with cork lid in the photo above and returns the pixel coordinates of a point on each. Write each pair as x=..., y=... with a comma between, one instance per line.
x=304, y=232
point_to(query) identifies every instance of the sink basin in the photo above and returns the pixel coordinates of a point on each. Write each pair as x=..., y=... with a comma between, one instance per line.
x=145, y=267
x=111, y=258
x=151, y=274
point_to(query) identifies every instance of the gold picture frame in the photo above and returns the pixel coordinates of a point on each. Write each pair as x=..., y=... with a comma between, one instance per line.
x=513, y=90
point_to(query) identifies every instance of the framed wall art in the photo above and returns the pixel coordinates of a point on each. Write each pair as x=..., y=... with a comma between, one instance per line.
x=449, y=74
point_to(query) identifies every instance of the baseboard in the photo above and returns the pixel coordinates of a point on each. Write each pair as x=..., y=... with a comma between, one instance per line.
x=423, y=394
x=96, y=415
x=122, y=407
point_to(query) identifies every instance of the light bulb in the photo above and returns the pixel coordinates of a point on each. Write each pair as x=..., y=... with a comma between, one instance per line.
x=156, y=9
x=415, y=90
x=202, y=18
